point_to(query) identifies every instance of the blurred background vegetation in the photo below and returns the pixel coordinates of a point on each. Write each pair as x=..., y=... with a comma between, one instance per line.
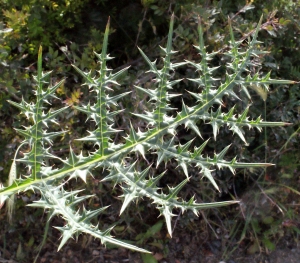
x=70, y=31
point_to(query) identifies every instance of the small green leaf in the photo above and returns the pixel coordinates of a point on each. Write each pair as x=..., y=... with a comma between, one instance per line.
x=268, y=220
x=148, y=258
x=268, y=244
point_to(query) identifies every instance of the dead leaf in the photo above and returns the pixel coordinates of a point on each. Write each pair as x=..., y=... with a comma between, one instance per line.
x=158, y=256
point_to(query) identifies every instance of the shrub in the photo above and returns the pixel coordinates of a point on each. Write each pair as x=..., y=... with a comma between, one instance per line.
x=132, y=161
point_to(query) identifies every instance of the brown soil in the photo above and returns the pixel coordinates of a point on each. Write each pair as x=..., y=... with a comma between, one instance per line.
x=184, y=247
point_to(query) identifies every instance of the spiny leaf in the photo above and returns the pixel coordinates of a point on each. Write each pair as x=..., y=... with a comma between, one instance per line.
x=119, y=158
x=74, y=161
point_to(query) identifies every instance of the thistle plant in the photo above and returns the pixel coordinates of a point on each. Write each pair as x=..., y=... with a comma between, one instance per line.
x=48, y=173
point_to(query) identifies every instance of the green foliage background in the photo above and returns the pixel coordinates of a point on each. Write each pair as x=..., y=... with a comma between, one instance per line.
x=70, y=31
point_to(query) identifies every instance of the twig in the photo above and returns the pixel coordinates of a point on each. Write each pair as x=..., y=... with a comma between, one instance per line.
x=140, y=27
